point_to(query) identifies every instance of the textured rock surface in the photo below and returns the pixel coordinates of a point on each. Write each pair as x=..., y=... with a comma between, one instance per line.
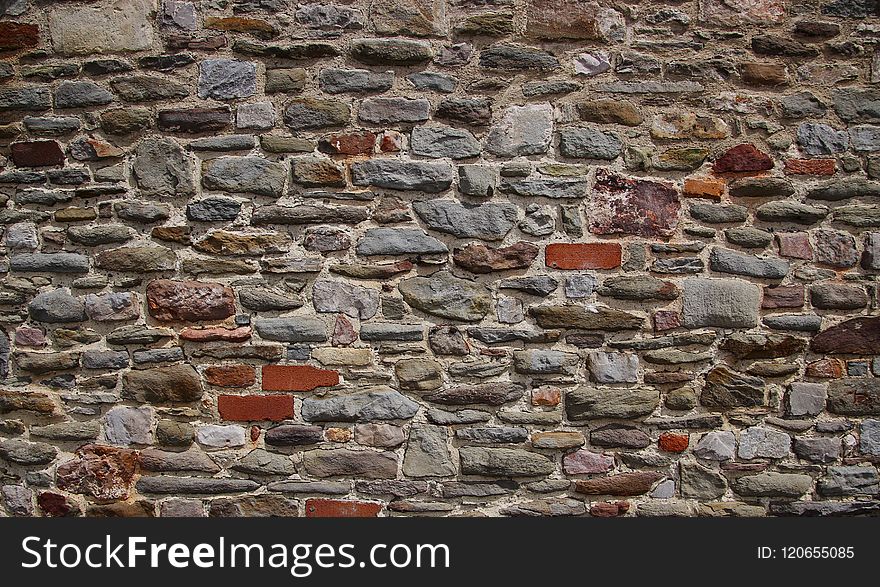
x=476, y=257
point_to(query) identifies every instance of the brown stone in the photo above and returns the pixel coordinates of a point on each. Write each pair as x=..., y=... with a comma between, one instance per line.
x=190, y=301
x=194, y=120
x=137, y=509
x=546, y=396
x=703, y=187
x=37, y=154
x=568, y=19
x=481, y=258
x=783, y=296
x=18, y=35
x=56, y=505
x=794, y=245
x=26, y=401
x=810, y=166
x=609, y=509
x=620, y=484
x=583, y=255
x=762, y=346
x=633, y=206
x=744, y=158
x=351, y=143
x=297, y=378
x=859, y=336
x=231, y=375
x=825, y=369
x=726, y=388
x=102, y=472
x=763, y=74
x=673, y=442
x=218, y=333
x=222, y=242
x=176, y=383
x=610, y=111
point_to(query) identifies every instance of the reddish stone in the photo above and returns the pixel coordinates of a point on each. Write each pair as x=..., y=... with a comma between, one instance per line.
x=609, y=509
x=343, y=332
x=783, y=296
x=352, y=143
x=103, y=472
x=825, y=369
x=56, y=505
x=253, y=408
x=217, y=333
x=672, y=442
x=564, y=19
x=231, y=375
x=583, y=255
x=480, y=258
x=341, y=508
x=338, y=434
x=742, y=159
x=583, y=461
x=37, y=154
x=297, y=378
x=835, y=248
x=620, y=484
x=390, y=142
x=18, y=35
x=794, y=245
x=546, y=396
x=237, y=24
x=255, y=433
x=704, y=187
x=810, y=166
x=633, y=206
x=858, y=336
x=29, y=336
x=666, y=320
x=191, y=301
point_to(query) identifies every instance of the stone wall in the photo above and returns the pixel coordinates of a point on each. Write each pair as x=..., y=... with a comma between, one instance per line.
x=464, y=257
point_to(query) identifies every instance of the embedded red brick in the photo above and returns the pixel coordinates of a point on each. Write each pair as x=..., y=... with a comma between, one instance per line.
x=251, y=408
x=341, y=508
x=810, y=166
x=742, y=158
x=672, y=442
x=231, y=375
x=37, y=154
x=297, y=378
x=18, y=35
x=352, y=143
x=583, y=255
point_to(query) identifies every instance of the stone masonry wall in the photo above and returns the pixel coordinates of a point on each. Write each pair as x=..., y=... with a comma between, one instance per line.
x=439, y=257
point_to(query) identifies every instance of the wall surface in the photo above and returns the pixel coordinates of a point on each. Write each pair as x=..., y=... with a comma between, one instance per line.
x=439, y=257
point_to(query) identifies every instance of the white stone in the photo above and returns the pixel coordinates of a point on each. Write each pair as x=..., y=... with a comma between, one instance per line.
x=716, y=446
x=107, y=26
x=591, y=64
x=614, y=367
x=758, y=442
x=216, y=436
x=125, y=425
x=259, y=116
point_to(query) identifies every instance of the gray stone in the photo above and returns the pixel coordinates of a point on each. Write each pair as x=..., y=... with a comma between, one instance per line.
x=394, y=110
x=802, y=105
x=213, y=209
x=360, y=407
x=22, y=452
x=716, y=446
x=399, y=241
x=126, y=425
x=18, y=500
x=250, y=175
x=817, y=450
x=505, y=462
x=81, y=95
x=545, y=362
x=517, y=57
x=857, y=104
x=108, y=26
x=477, y=180
x=489, y=221
x=162, y=168
x=718, y=213
x=351, y=463
x=49, y=263
x=821, y=139
x=430, y=80
x=748, y=237
x=788, y=211
x=844, y=188
x=546, y=187
x=403, y=175
x=613, y=367
x=217, y=436
x=262, y=462
x=224, y=79
x=865, y=138
x=25, y=98
x=838, y=296
x=294, y=435
x=772, y=484
x=847, y=481
x=727, y=261
x=522, y=130
x=588, y=403
x=427, y=454
x=757, y=442
x=699, y=482
x=257, y=116
x=385, y=331
x=330, y=17
x=339, y=296
x=589, y=143
x=443, y=141
x=869, y=437
x=293, y=329
x=539, y=285
x=727, y=303
x=612, y=436
x=96, y=359
x=442, y=294
x=854, y=397
x=805, y=399
x=148, y=88
x=797, y=322
x=102, y=234
x=22, y=236
x=172, y=485
x=313, y=113
x=380, y=435
x=223, y=143
x=339, y=81
x=57, y=306
x=495, y=435
x=67, y=431
x=112, y=306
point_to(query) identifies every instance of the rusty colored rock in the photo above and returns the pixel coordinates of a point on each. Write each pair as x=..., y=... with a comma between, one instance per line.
x=583, y=255
x=619, y=484
x=633, y=206
x=745, y=158
x=297, y=378
x=103, y=472
x=189, y=301
x=481, y=258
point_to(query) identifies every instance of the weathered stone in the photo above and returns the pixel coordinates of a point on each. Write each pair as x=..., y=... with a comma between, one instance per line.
x=190, y=301
x=350, y=299
x=110, y=26
x=588, y=403
x=343, y=462
x=360, y=407
x=177, y=383
x=426, y=453
x=716, y=446
x=250, y=175
x=847, y=481
x=488, y=221
x=482, y=393
x=442, y=141
x=445, y=295
x=854, y=397
x=517, y=57
x=757, y=442
x=728, y=261
x=102, y=472
x=522, y=130
x=620, y=205
x=57, y=306
x=403, y=175
x=137, y=259
x=26, y=453
x=620, y=484
x=773, y=484
x=728, y=389
x=503, y=462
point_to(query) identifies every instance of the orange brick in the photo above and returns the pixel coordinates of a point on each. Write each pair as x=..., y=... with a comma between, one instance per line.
x=671, y=442
x=341, y=508
x=546, y=396
x=253, y=408
x=810, y=166
x=704, y=188
x=297, y=378
x=583, y=255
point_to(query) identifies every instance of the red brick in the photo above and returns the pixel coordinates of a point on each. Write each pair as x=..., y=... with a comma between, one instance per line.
x=583, y=255
x=811, y=166
x=18, y=35
x=341, y=508
x=247, y=408
x=743, y=158
x=353, y=143
x=671, y=442
x=297, y=378
x=37, y=154
x=231, y=375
